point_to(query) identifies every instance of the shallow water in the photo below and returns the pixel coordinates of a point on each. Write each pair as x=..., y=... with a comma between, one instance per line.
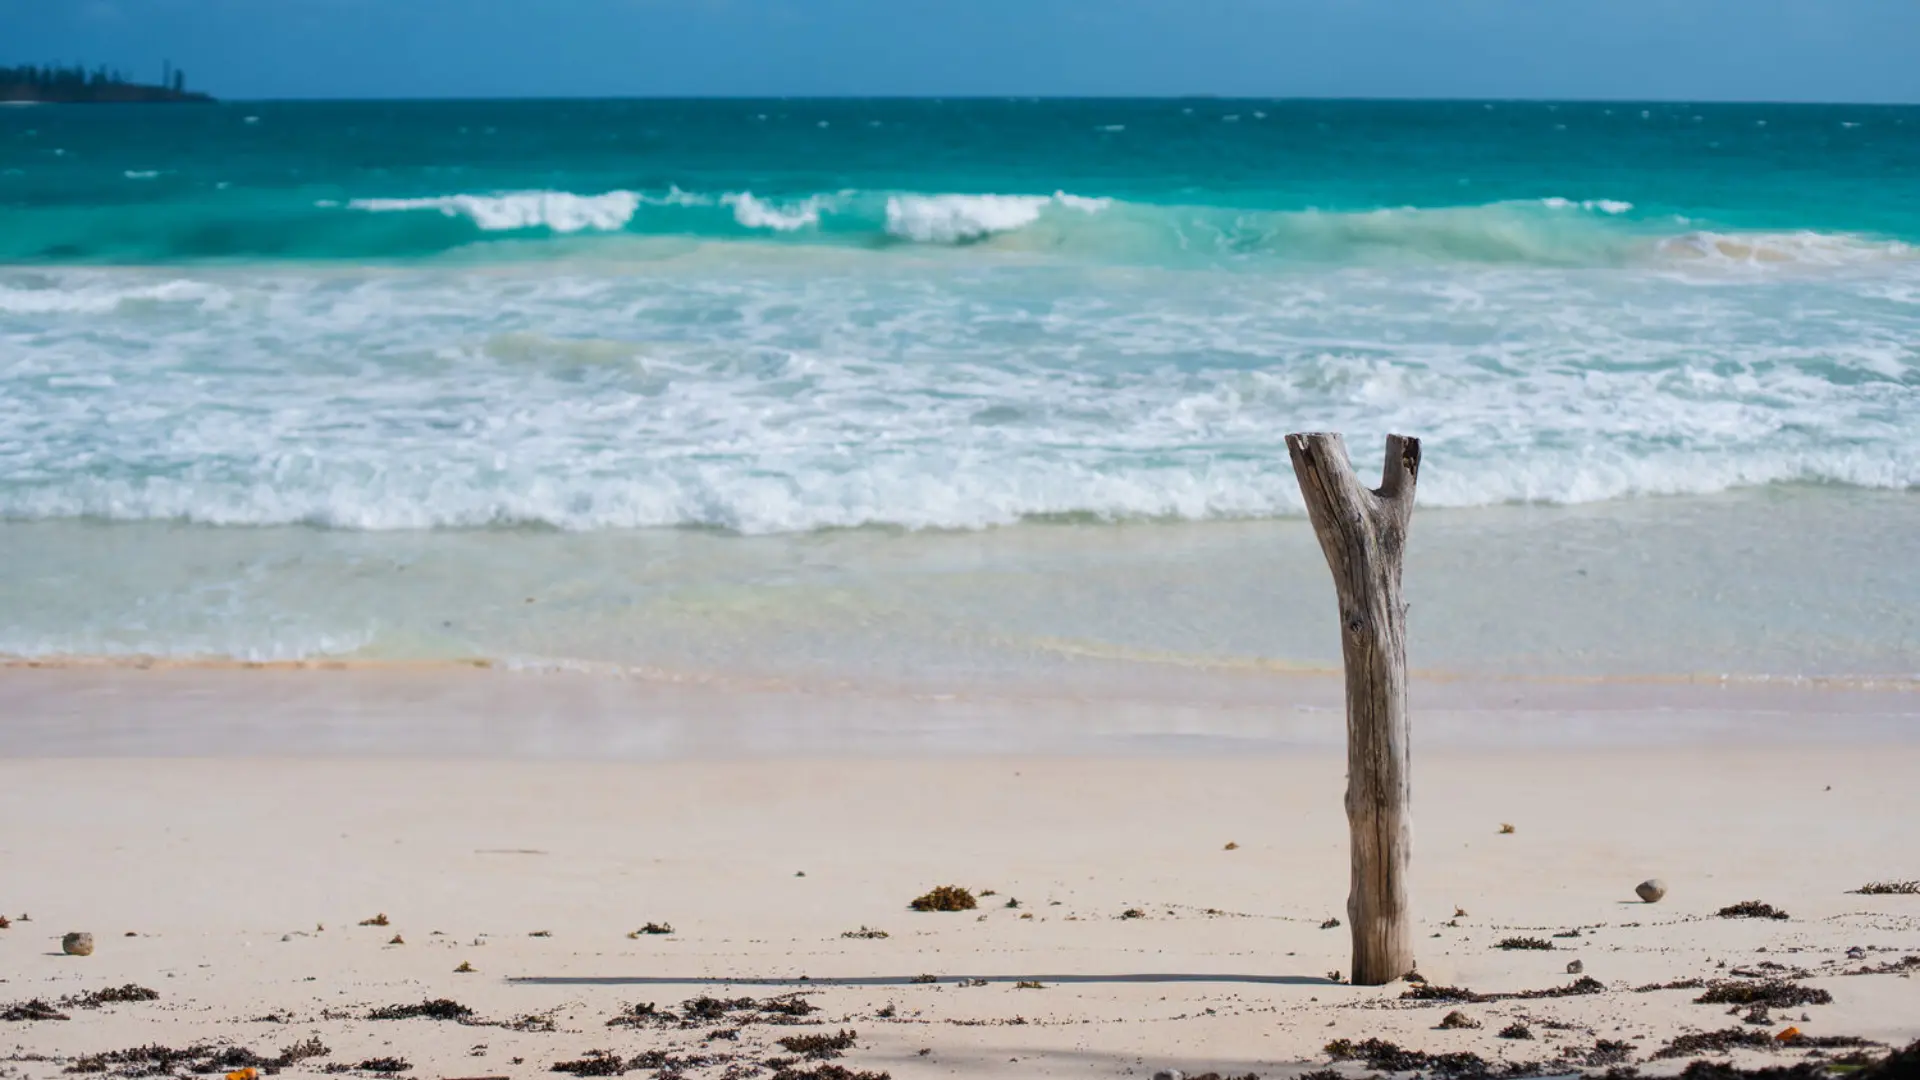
x=936, y=392
x=1787, y=583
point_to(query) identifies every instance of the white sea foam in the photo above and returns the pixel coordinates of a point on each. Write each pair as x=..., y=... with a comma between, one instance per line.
x=735, y=392
x=755, y=213
x=676, y=197
x=560, y=211
x=102, y=293
x=1804, y=248
x=1604, y=206
x=955, y=219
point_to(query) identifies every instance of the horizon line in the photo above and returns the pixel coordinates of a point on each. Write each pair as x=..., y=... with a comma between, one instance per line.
x=1036, y=98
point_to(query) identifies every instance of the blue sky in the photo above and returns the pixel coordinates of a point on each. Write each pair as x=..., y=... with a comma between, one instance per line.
x=1781, y=50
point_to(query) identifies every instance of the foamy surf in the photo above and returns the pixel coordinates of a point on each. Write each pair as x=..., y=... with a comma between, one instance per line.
x=959, y=219
x=559, y=211
x=703, y=380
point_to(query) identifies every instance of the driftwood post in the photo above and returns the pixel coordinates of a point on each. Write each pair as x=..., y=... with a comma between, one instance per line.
x=1364, y=534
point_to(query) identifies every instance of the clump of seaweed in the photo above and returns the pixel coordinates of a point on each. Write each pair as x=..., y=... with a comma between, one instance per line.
x=652, y=929
x=1427, y=992
x=595, y=1063
x=203, y=1058
x=1892, y=967
x=945, y=898
x=1723, y=1041
x=867, y=933
x=1677, y=984
x=1383, y=1056
x=385, y=1065
x=825, y=1071
x=115, y=995
x=1609, y=1052
x=1133, y=913
x=926, y=978
x=1458, y=1019
x=1773, y=994
x=1516, y=1030
x=1524, y=943
x=1431, y=992
x=434, y=1009
x=1330, y=924
x=819, y=1047
x=789, y=1005
x=1585, y=984
x=1029, y=984
x=643, y=1015
x=5, y=922
x=377, y=920
x=152, y=1060
x=304, y=1050
x=36, y=1009
x=1889, y=888
x=533, y=1022
x=1751, y=909
x=703, y=1010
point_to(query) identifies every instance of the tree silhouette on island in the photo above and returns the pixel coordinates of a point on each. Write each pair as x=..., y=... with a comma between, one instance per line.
x=54, y=85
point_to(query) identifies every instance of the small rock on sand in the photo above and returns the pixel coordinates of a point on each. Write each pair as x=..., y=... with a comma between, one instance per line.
x=1576, y=968
x=77, y=944
x=1651, y=890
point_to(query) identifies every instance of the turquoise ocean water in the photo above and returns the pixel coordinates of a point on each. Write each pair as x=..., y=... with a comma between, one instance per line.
x=751, y=379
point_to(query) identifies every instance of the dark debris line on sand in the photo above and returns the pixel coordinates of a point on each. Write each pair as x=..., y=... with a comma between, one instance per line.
x=202, y=1058
x=1773, y=994
x=1585, y=984
x=1383, y=1056
x=820, y=1049
x=1889, y=888
x=435, y=1009
x=708, y=1011
x=36, y=1009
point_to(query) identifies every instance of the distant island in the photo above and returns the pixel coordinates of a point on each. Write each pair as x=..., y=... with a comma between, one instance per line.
x=52, y=85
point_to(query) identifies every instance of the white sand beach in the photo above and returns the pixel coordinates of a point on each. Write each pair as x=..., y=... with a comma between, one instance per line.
x=224, y=857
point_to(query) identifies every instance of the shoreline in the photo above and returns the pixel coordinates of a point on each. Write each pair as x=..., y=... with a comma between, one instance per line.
x=435, y=713
x=1225, y=666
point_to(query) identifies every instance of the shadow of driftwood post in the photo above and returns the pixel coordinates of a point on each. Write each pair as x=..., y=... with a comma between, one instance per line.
x=911, y=980
x=1364, y=534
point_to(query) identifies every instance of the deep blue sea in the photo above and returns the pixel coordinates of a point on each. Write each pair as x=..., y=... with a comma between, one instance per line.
x=785, y=318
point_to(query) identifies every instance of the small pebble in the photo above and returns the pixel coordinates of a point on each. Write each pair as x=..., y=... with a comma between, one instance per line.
x=1576, y=968
x=77, y=944
x=1651, y=890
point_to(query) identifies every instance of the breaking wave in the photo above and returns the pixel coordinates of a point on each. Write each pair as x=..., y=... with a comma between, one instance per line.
x=559, y=211
x=1550, y=231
